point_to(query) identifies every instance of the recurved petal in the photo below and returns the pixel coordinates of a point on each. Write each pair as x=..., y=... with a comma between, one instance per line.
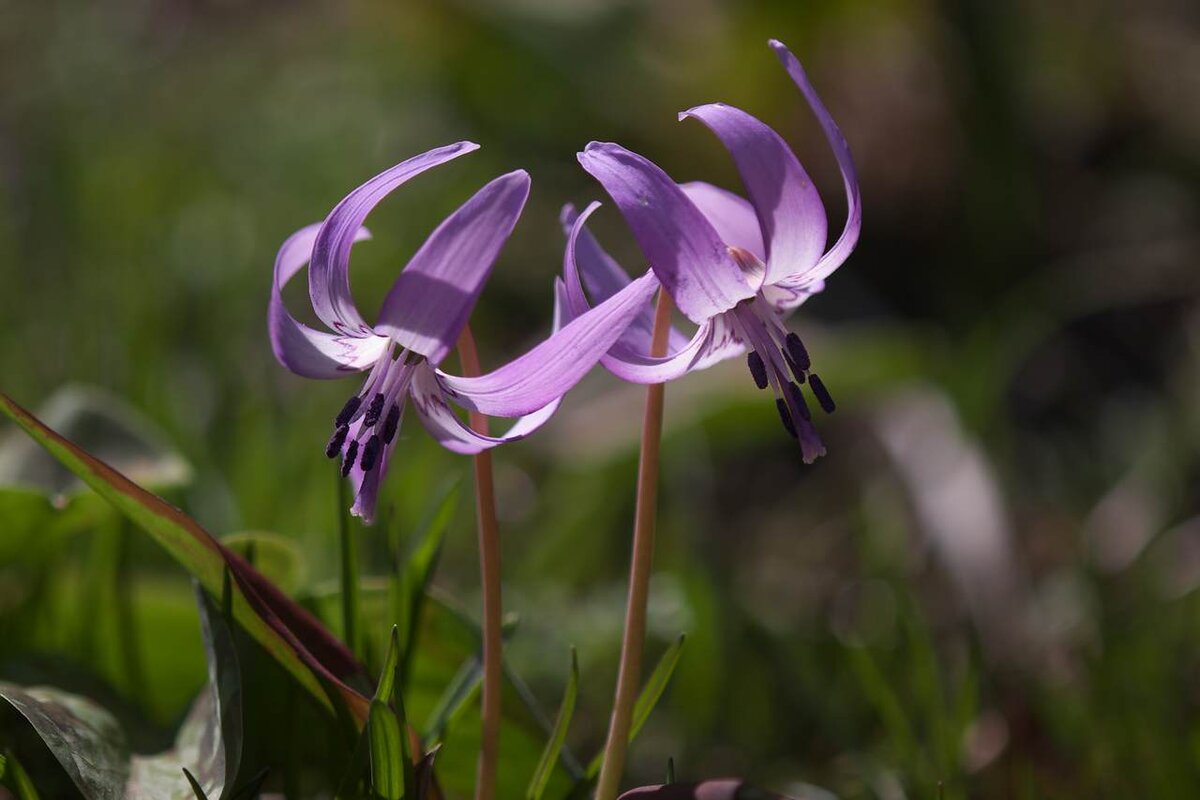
x=732, y=216
x=550, y=369
x=308, y=352
x=433, y=407
x=683, y=249
x=849, y=237
x=329, y=274
x=432, y=299
x=586, y=264
x=789, y=209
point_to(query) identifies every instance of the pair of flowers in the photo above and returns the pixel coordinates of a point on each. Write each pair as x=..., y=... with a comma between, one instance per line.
x=734, y=267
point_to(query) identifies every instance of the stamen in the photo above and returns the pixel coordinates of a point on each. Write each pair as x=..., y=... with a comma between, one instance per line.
x=374, y=411
x=348, y=459
x=757, y=368
x=786, y=418
x=797, y=373
x=797, y=353
x=348, y=411
x=799, y=402
x=391, y=424
x=370, y=453
x=821, y=393
x=336, y=441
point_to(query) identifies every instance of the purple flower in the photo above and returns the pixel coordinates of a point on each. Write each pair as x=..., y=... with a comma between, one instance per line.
x=736, y=268
x=420, y=321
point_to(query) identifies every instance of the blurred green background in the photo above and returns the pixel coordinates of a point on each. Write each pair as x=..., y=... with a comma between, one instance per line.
x=989, y=583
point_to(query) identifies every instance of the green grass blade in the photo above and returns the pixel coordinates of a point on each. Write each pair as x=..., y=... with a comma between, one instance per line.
x=418, y=571
x=649, y=697
x=14, y=777
x=541, y=775
x=387, y=757
x=197, y=789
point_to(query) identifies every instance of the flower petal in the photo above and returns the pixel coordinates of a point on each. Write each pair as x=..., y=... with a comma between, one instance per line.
x=430, y=302
x=629, y=357
x=329, y=274
x=433, y=407
x=684, y=251
x=732, y=216
x=604, y=277
x=303, y=350
x=789, y=209
x=550, y=369
x=849, y=237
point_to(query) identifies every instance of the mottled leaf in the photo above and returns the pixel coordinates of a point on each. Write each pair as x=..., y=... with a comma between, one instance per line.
x=287, y=631
x=106, y=426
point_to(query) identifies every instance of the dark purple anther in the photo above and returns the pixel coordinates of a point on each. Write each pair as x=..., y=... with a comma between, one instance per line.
x=391, y=423
x=344, y=416
x=797, y=353
x=370, y=453
x=822, y=394
x=785, y=417
x=799, y=402
x=336, y=441
x=757, y=368
x=374, y=411
x=348, y=459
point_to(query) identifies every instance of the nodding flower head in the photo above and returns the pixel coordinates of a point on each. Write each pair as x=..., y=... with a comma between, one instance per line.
x=420, y=321
x=736, y=267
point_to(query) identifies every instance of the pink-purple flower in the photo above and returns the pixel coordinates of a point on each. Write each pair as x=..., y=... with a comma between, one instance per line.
x=419, y=323
x=735, y=267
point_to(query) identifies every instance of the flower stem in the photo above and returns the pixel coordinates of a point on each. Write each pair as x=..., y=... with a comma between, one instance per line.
x=646, y=515
x=489, y=569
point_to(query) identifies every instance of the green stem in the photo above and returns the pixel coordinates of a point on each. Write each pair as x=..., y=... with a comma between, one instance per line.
x=489, y=569
x=646, y=515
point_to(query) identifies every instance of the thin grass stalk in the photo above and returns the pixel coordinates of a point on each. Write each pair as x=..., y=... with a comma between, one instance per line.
x=489, y=570
x=646, y=516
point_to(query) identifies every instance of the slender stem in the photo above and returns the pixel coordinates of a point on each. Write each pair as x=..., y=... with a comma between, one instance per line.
x=489, y=569
x=630, y=674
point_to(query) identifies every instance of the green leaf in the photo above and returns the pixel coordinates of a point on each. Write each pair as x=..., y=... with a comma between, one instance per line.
x=387, y=758
x=197, y=789
x=291, y=635
x=276, y=556
x=91, y=746
x=14, y=777
x=541, y=775
x=649, y=697
x=251, y=788
x=414, y=578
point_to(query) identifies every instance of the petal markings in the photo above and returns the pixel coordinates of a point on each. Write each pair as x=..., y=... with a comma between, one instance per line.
x=432, y=299
x=789, y=209
x=303, y=350
x=432, y=405
x=329, y=273
x=684, y=251
x=549, y=370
